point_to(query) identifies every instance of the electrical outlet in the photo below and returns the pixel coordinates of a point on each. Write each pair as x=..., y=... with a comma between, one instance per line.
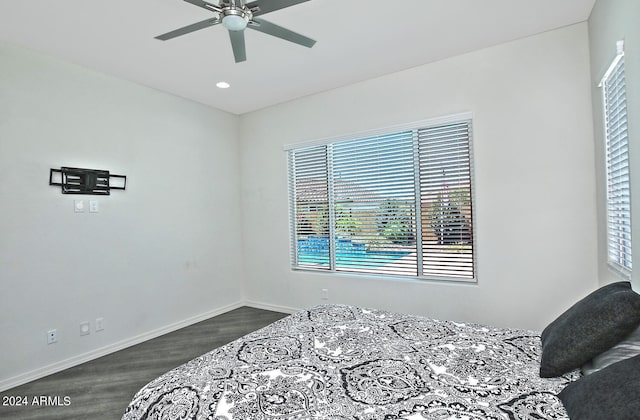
x=99, y=324
x=78, y=206
x=325, y=294
x=85, y=328
x=52, y=336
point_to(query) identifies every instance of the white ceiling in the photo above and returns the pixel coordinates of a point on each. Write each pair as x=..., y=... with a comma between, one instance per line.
x=356, y=40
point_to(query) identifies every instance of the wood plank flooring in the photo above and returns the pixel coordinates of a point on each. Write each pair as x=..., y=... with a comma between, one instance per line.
x=102, y=388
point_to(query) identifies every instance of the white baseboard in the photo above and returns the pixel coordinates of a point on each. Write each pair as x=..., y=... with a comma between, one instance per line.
x=270, y=307
x=111, y=348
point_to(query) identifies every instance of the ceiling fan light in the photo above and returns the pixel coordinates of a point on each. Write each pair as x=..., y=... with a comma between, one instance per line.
x=234, y=22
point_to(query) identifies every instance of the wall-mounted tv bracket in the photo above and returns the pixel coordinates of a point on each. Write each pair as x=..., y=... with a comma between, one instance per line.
x=86, y=181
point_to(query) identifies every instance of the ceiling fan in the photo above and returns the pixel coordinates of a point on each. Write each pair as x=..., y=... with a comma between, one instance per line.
x=236, y=16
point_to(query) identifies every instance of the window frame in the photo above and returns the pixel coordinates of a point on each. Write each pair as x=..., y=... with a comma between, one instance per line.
x=466, y=117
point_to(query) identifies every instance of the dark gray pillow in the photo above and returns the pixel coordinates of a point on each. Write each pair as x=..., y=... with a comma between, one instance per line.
x=591, y=326
x=610, y=393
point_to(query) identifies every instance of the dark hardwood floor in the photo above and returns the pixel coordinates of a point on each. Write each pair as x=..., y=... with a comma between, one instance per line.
x=102, y=388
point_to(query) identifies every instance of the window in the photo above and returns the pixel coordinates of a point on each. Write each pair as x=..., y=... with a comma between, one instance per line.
x=396, y=204
x=617, y=165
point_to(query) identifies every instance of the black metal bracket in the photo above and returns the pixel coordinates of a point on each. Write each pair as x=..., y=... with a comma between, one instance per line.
x=86, y=181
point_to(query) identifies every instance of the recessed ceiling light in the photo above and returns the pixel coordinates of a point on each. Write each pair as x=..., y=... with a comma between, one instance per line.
x=223, y=85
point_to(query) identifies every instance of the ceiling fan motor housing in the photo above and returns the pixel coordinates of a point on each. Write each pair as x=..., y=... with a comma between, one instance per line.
x=235, y=19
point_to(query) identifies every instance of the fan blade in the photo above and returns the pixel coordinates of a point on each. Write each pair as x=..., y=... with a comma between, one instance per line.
x=188, y=29
x=237, y=43
x=205, y=5
x=280, y=32
x=266, y=6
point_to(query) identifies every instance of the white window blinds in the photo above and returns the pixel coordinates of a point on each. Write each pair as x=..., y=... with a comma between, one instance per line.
x=617, y=165
x=395, y=204
x=445, y=184
x=309, y=210
x=374, y=205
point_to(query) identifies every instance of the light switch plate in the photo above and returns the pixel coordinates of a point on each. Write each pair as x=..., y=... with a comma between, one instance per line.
x=93, y=206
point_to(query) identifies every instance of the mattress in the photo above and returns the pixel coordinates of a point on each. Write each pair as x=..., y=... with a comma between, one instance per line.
x=338, y=362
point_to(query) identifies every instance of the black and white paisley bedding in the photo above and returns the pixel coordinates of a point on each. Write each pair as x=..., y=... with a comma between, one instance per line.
x=337, y=362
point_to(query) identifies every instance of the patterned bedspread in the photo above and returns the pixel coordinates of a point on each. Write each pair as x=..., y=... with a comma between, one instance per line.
x=336, y=362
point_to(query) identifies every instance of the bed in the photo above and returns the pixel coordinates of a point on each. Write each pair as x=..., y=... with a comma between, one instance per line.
x=337, y=362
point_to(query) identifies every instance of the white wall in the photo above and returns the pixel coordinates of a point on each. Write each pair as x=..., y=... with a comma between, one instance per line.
x=164, y=251
x=535, y=190
x=609, y=22
x=168, y=250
